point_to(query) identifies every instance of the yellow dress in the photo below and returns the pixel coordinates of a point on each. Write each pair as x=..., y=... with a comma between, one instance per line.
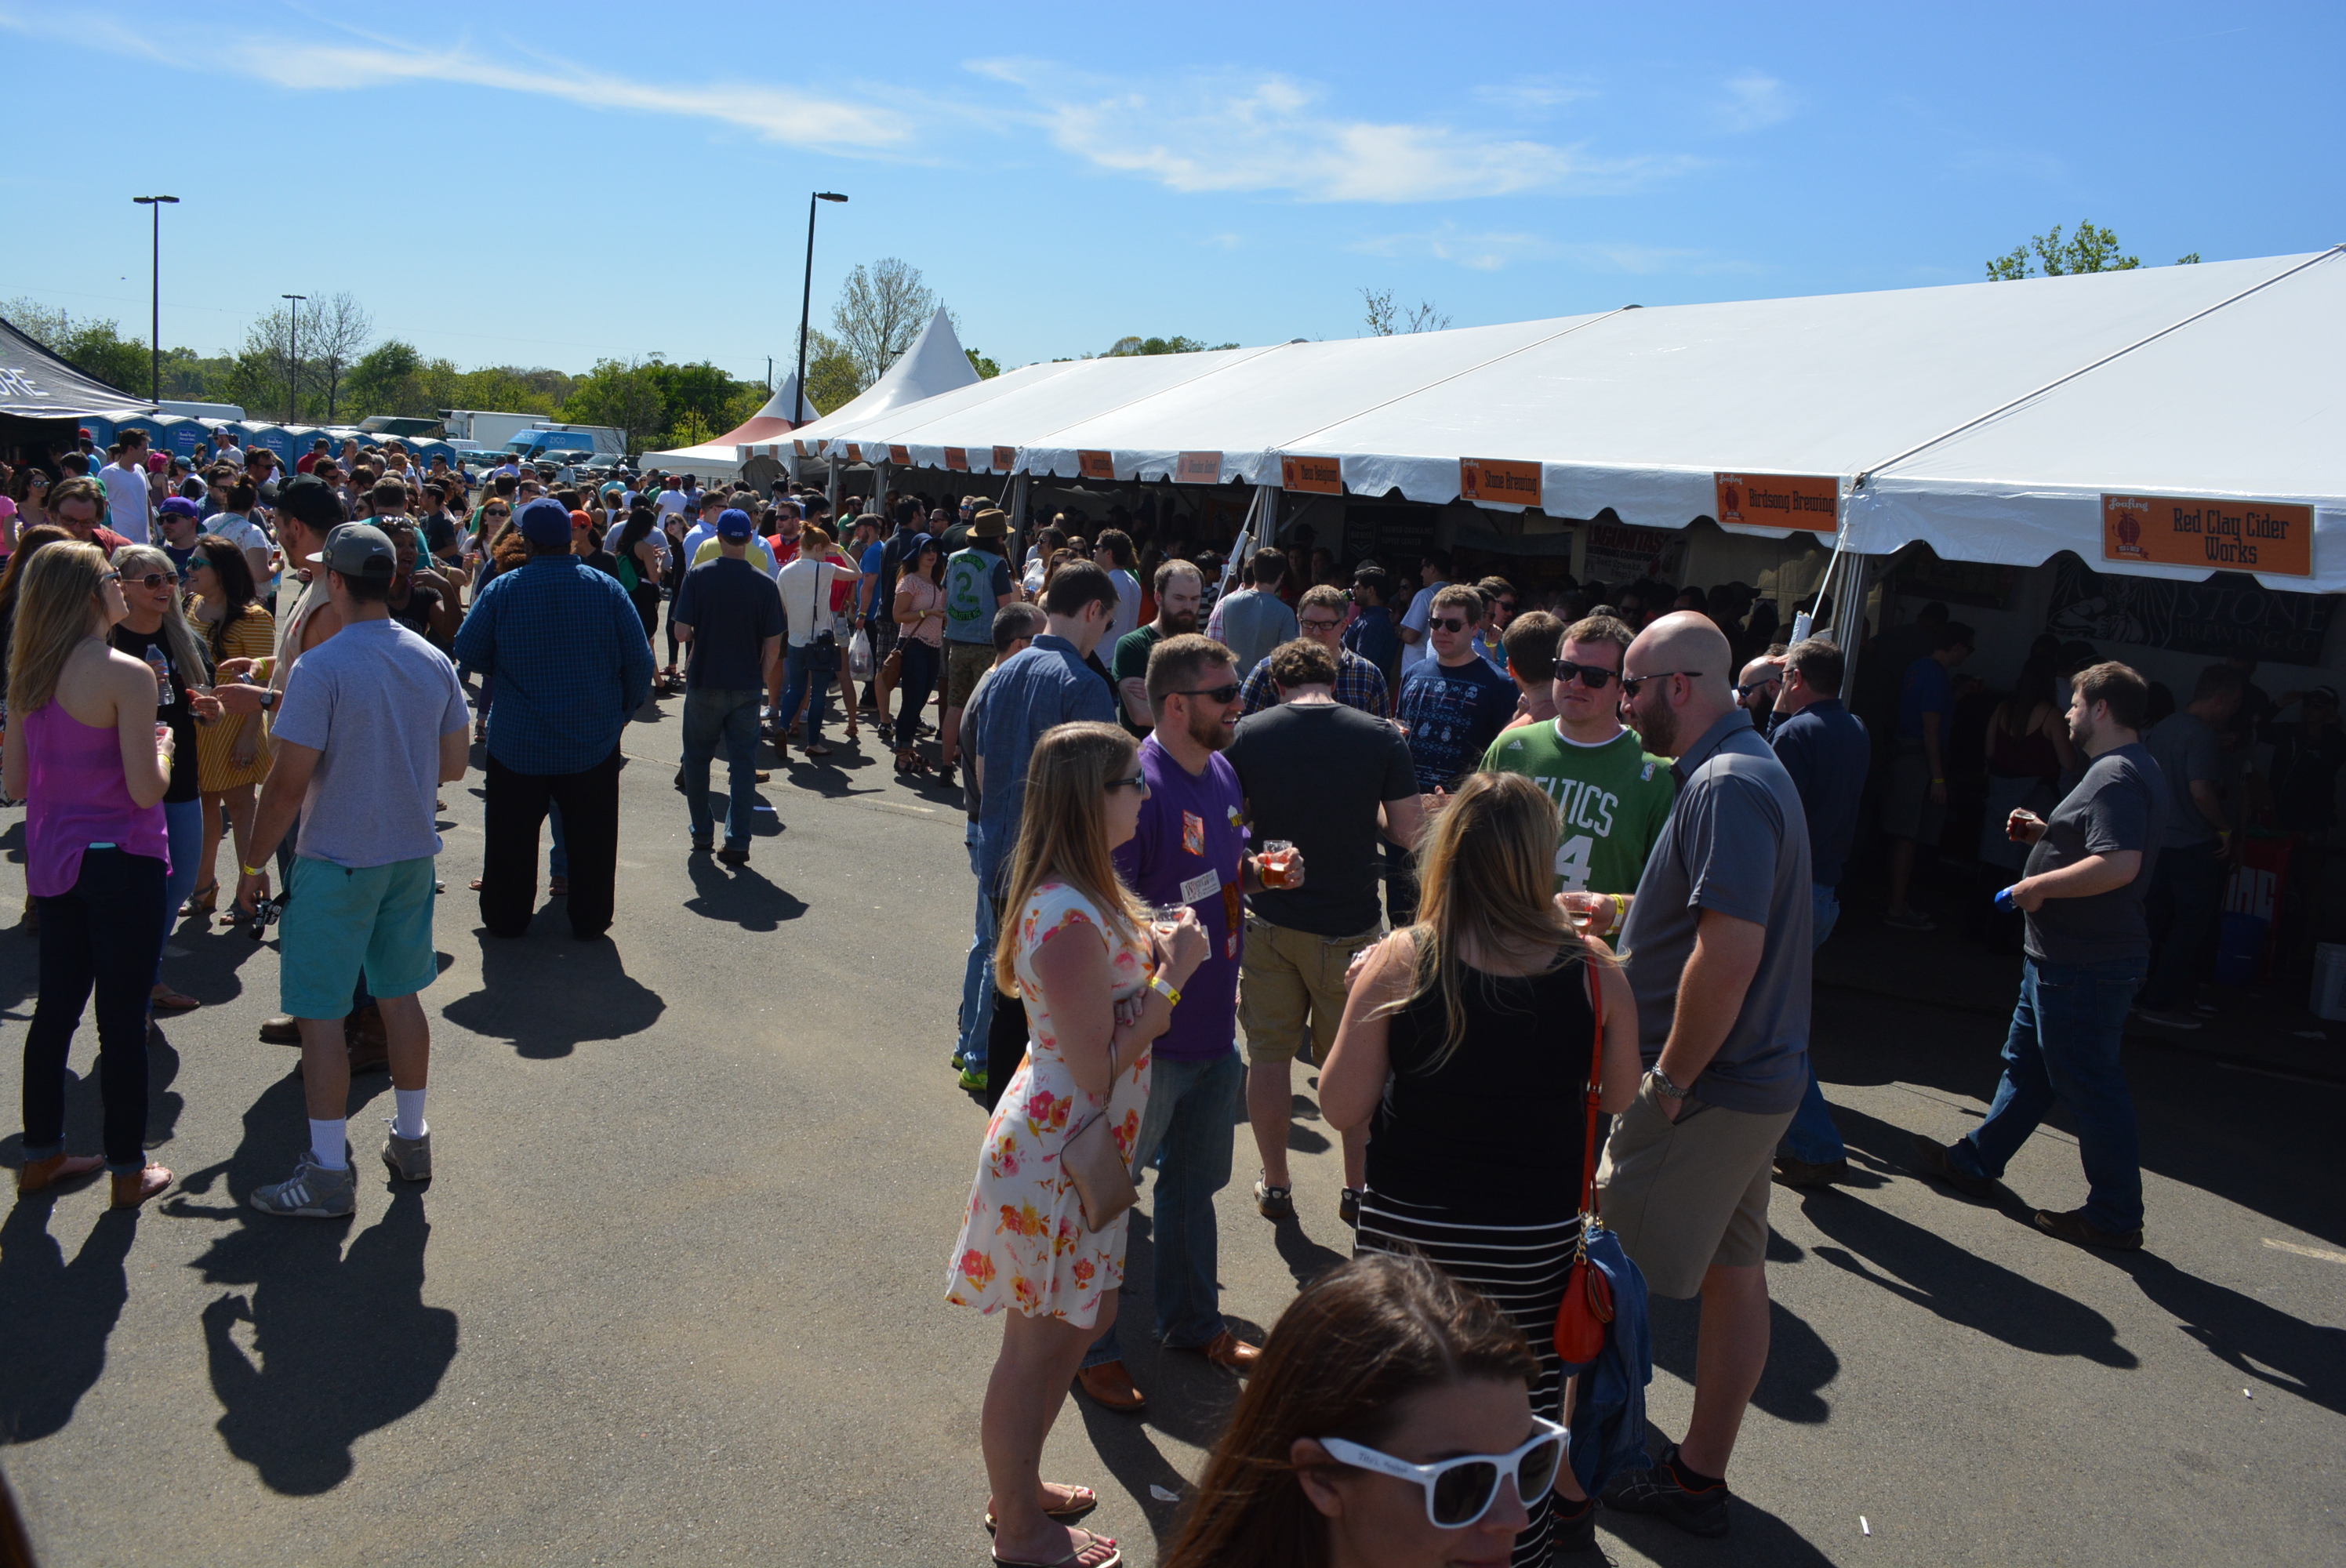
x=253, y=636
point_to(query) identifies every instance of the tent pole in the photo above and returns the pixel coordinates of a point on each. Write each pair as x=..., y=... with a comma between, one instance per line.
x=1848, y=617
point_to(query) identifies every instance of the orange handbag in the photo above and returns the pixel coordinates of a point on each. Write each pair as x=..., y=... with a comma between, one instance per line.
x=1587, y=1304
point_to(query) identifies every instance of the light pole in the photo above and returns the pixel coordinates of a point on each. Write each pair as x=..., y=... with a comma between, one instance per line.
x=155, y=203
x=292, y=351
x=806, y=300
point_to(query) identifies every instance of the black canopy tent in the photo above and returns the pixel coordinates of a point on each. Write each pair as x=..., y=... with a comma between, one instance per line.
x=44, y=398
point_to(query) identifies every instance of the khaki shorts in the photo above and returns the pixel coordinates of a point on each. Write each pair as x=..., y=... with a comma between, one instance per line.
x=964, y=662
x=1684, y=1195
x=1291, y=980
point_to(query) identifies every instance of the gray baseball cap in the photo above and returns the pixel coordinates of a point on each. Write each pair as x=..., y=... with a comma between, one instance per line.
x=358, y=550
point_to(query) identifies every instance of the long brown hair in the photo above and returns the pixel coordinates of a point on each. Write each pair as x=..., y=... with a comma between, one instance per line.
x=56, y=611
x=1360, y=1339
x=1062, y=834
x=28, y=544
x=1487, y=872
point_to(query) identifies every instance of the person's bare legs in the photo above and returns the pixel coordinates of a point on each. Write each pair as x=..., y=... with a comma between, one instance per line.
x=1038, y=1360
x=1356, y=1158
x=208, y=860
x=1567, y=1485
x=1270, y=1108
x=949, y=736
x=326, y=1056
x=238, y=805
x=1730, y=1356
x=1902, y=874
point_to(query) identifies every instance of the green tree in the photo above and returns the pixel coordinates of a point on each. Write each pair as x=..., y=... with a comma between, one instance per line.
x=97, y=349
x=1125, y=348
x=880, y=310
x=2089, y=249
x=833, y=378
x=388, y=379
x=625, y=395
x=986, y=368
x=1385, y=320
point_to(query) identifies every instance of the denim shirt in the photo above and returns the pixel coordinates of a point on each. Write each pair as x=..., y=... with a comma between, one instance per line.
x=567, y=651
x=1041, y=687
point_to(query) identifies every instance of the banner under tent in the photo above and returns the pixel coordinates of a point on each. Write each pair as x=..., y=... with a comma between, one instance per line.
x=933, y=365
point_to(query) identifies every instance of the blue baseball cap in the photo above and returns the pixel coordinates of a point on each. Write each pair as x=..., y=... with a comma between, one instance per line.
x=734, y=524
x=546, y=521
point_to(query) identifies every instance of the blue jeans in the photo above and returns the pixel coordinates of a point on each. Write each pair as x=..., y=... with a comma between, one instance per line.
x=184, y=822
x=1193, y=1109
x=2064, y=1045
x=1812, y=1137
x=798, y=676
x=712, y=714
x=977, y=991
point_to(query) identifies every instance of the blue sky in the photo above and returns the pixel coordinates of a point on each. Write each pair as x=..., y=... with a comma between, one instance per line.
x=1065, y=175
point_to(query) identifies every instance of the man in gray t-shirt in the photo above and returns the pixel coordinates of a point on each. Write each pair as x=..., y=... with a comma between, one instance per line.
x=2188, y=885
x=1717, y=948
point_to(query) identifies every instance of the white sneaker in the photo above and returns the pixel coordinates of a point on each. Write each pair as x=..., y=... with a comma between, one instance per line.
x=311, y=1192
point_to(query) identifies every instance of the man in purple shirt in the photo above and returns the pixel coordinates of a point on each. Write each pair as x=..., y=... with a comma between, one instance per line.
x=1189, y=849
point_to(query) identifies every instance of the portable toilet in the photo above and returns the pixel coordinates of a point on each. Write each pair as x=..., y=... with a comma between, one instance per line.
x=153, y=426
x=275, y=438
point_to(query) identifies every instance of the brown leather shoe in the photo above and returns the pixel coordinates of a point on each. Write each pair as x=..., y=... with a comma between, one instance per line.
x=1227, y=1350
x=281, y=1030
x=131, y=1190
x=39, y=1176
x=1111, y=1387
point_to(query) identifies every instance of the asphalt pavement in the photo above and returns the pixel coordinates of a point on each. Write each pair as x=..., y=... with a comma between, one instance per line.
x=677, y=1291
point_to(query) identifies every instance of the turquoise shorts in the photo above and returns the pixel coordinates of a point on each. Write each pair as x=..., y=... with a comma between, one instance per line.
x=339, y=917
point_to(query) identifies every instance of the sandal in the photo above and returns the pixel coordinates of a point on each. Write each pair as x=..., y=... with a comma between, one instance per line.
x=203, y=901
x=1081, y=1499
x=163, y=999
x=817, y=750
x=1097, y=1552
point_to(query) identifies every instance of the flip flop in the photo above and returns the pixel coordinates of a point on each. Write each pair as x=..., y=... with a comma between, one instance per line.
x=1081, y=1499
x=1097, y=1552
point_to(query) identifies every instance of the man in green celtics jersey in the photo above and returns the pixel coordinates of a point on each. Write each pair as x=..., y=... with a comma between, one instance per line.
x=1611, y=797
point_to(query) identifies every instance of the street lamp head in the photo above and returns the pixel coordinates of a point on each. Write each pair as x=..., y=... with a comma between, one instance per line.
x=828, y=196
x=148, y=200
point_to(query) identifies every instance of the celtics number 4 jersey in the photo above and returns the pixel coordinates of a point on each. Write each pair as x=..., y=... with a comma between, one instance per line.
x=1611, y=801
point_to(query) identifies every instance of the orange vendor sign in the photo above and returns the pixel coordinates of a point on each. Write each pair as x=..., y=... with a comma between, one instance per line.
x=1198, y=468
x=1096, y=466
x=1496, y=479
x=1810, y=501
x=855, y=452
x=1006, y=458
x=2208, y=532
x=957, y=459
x=1311, y=476
x=901, y=456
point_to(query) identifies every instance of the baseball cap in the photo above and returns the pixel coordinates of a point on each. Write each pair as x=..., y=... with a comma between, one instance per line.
x=358, y=550
x=179, y=506
x=990, y=524
x=734, y=524
x=546, y=521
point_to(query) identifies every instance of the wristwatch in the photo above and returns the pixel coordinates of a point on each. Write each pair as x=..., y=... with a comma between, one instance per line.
x=269, y=699
x=1662, y=1085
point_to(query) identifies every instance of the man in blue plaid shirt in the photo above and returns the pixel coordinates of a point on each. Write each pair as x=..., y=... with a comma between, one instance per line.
x=571, y=665
x=1359, y=683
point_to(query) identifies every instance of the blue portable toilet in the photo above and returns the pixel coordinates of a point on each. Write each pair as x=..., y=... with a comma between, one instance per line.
x=179, y=435
x=424, y=450
x=153, y=426
x=275, y=437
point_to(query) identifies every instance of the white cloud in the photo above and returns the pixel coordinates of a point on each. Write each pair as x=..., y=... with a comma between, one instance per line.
x=359, y=61
x=1533, y=95
x=1487, y=251
x=1267, y=132
x=1754, y=101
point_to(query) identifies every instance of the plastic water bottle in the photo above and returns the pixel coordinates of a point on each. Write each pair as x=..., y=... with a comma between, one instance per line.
x=163, y=694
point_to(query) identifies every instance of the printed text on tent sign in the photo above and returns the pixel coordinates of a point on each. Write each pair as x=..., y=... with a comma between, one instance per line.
x=1006, y=458
x=1311, y=476
x=1493, y=480
x=1778, y=499
x=1096, y=466
x=901, y=456
x=1198, y=468
x=2205, y=531
x=957, y=459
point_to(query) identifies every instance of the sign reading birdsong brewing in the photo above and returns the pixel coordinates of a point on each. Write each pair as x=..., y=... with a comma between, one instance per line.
x=1811, y=501
x=2208, y=533
x=1487, y=479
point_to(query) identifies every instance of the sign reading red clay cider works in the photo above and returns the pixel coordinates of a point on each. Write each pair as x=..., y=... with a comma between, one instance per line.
x=1311, y=476
x=1810, y=501
x=2208, y=532
x=1095, y=464
x=1496, y=480
x=957, y=459
x=1006, y=458
x=1198, y=468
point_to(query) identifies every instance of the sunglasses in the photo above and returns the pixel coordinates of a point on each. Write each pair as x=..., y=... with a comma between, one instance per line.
x=1449, y=624
x=1743, y=691
x=1595, y=677
x=154, y=580
x=1631, y=685
x=1138, y=781
x=106, y=577
x=499, y=511
x=1458, y=1492
x=1218, y=693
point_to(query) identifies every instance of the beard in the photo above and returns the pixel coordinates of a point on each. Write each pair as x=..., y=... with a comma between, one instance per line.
x=1657, y=731
x=1209, y=732
x=1178, y=622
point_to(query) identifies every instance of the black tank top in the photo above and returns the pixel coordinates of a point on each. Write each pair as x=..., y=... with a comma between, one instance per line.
x=1497, y=1131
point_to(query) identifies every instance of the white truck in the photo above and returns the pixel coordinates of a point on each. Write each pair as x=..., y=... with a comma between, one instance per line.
x=487, y=427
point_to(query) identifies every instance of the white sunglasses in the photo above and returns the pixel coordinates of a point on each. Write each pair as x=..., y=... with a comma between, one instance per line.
x=1459, y=1491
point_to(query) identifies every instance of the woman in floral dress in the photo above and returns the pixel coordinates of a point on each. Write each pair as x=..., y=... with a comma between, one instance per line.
x=1099, y=983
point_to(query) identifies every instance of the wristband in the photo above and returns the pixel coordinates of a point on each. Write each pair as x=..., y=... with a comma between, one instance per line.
x=1156, y=984
x=254, y=870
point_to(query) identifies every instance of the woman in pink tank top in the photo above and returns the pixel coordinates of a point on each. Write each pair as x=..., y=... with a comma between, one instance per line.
x=85, y=754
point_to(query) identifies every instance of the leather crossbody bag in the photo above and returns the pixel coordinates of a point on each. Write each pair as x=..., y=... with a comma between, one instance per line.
x=1103, y=1182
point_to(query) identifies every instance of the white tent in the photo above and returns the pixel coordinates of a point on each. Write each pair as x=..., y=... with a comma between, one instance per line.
x=934, y=365
x=1988, y=419
x=721, y=457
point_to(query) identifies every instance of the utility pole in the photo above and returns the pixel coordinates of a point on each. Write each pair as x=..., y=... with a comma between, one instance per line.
x=806, y=301
x=155, y=203
x=292, y=351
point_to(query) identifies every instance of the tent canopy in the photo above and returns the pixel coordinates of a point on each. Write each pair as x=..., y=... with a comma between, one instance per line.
x=36, y=384
x=720, y=457
x=935, y=364
x=1985, y=418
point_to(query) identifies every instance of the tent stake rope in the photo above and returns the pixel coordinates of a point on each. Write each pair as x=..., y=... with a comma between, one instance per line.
x=2097, y=364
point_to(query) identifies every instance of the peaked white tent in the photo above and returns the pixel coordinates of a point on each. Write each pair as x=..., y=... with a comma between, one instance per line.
x=934, y=365
x=721, y=457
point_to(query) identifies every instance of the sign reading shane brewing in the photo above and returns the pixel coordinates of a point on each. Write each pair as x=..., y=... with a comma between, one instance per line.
x=1487, y=479
x=2204, y=532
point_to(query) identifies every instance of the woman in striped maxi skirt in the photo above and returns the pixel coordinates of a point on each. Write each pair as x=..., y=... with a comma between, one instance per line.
x=1466, y=1049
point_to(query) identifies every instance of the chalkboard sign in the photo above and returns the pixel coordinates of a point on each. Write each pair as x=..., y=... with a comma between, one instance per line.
x=1395, y=537
x=2228, y=614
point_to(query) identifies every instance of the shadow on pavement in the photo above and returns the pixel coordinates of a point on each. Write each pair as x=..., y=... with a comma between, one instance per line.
x=1799, y=1360
x=739, y=895
x=2258, y=1341
x=545, y=992
x=59, y=1315
x=1759, y=1539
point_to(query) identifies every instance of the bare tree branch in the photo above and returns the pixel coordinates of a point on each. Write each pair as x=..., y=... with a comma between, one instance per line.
x=881, y=310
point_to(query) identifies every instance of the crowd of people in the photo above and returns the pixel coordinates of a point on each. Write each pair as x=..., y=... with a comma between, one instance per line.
x=1481, y=860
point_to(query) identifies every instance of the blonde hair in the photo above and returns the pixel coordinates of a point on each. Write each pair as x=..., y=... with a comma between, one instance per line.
x=1063, y=835
x=55, y=604
x=187, y=661
x=1487, y=872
